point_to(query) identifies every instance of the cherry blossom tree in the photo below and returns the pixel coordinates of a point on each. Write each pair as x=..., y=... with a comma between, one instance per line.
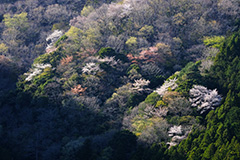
x=37, y=69
x=91, y=68
x=177, y=134
x=151, y=111
x=175, y=130
x=140, y=84
x=204, y=99
x=171, y=83
x=52, y=38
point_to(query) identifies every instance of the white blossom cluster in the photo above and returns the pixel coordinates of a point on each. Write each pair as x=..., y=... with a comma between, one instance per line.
x=151, y=111
x=119, y=10
x=126, y=9
x=178, y=133
x=171, y=83
x=109, y=60
x=175, y=130
x=140, y=84
x=52, y=38
x=37, y=69
x=203, y=98
x=91, y=68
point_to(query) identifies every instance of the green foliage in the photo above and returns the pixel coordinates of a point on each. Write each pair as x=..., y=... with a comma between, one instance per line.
x=60, y=26
x=223, y=123
x=156, y=81
x=152, y=98
x=147, y=32
x=186, y=119
x=131, y=42
x=44, y=76
x=91, y=38
x=140, y=125
x=3, y=48
x=232, y=121
x=226, y=69
x=215, y=41
x=86, y=10
x=109, y=52
x=16, y=29
x=187, y=77
x=122, y=57
x=35, y=93
x=134, y=99
x=18, y=21
x=74, y=34
x=64, y=37
x=53, y=58
x=105, y=67
x=176, y=120
x=133, y=66
x=32, y=107
x=160, y=103
x=74, y=77
x=106, y=52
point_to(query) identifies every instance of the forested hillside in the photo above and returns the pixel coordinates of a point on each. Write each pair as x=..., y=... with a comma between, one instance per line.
x=119, y=80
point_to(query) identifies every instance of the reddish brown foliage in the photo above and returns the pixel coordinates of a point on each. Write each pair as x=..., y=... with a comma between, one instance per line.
x=146, y=56
x=66, y=60
x=4, y=59
x=78, y=89
x=84, y=53
x=161, y=54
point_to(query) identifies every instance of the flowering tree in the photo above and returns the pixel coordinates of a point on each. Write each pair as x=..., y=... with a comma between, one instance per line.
x=171, y=83
x=91, y=68
x=151, y=111
x=149, y=55
x=203, y=98
x=109, y=60
x=175, y=130
x=52, y=38
x=178, y=133
x=92, y=64
x=37, y=69
x=140, y=84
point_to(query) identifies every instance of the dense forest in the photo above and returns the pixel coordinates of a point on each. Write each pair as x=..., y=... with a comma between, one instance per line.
x=119, y=79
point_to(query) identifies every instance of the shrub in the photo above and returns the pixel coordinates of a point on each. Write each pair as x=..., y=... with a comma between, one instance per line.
x=152, y=98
